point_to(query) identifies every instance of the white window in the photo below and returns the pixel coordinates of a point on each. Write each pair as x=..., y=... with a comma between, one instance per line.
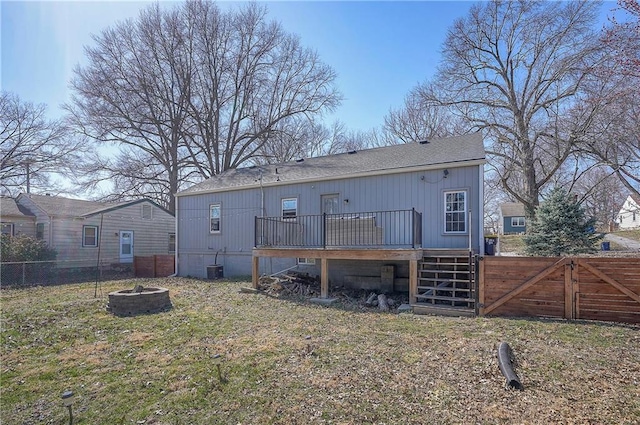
x=214, y=218
x=289, y=207
x=146, y=212
x=90, y=236
x=517, y=221
x=7, y=229
x=455, y=212
x=306, y=261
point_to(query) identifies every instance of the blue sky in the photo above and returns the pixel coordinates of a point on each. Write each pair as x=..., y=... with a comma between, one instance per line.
x=380, y=50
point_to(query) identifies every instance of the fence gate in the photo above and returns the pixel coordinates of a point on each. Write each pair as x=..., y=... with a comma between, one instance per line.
x=572, y=288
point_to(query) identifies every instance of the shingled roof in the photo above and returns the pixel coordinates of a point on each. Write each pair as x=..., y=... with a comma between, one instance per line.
x=445, y=152
x=9, y=207
x=512, y=209
x=60, y=206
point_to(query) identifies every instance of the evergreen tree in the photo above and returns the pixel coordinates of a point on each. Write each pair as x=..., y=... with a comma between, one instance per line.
x=561, y=228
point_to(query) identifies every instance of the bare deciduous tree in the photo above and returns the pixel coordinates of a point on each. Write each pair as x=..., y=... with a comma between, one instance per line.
x=601, y=195
x=32, y=146
x=613, y=102
x=623, y=37
x=196, y=90
x=419, y=120
x=513, y=68
x=134, y=92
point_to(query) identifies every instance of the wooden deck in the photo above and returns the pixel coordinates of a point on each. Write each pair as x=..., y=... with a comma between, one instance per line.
x=440, y=281
x=411, y=255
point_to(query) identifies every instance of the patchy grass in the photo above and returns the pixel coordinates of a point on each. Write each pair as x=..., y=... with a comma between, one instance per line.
x=290, y=362
x=629, y=234
x=512, y=243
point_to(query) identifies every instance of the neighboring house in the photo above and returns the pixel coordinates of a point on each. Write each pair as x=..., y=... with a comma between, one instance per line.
x=382, y=206
x=512, y=218
x=629, y=214
x=16, y=219
x=86, y=232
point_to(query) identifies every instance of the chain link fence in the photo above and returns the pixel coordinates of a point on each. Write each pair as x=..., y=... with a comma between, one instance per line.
x=33, y=273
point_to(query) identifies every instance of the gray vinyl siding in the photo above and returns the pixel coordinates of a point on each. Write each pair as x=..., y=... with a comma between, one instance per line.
x=509, y=229
x=64, y=234
x=22, y=225
x=422, y=190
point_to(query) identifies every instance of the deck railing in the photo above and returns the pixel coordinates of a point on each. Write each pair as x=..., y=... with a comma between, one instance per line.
x=399, y=228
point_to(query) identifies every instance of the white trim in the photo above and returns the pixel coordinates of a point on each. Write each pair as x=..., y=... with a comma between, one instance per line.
x=517, y=222
x=464, y=211
x=306, y=261
x=211, y=231
x=126, y=258
x=341, y=177
x=290, y=198
x=84, y=236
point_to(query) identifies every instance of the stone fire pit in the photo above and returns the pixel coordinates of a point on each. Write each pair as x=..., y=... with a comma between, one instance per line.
x=139, y=300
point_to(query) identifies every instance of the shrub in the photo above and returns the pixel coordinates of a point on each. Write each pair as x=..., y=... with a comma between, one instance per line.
x=561, y=228
x=24, y=248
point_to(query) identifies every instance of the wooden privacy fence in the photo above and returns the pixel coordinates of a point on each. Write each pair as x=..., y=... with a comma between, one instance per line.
x=154, y=266
x=571, y=288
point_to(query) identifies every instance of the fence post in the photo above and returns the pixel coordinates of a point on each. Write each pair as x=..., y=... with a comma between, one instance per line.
x=569, y=312
x=24, y=272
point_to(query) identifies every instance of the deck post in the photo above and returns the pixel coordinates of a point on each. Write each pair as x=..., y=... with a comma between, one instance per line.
x=324, y=278
x=255, y=271
x=413, y=281
x=413, y=227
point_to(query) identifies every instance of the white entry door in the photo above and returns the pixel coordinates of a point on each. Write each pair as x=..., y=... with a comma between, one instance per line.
x=126, y=246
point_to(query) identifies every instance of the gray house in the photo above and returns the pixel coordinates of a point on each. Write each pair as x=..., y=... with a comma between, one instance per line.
x=512, y=219
x=87, y=232
x=16, y=219
x=404, y=217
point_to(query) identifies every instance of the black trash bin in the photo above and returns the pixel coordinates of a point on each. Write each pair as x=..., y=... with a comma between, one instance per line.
x=490, y=243
x=215, y=271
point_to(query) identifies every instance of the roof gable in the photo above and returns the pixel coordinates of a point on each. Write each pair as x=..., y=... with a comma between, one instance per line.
x=444, y=152
x=9, y=207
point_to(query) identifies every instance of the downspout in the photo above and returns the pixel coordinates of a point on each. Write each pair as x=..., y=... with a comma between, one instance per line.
x=95, y=292
x=175, y=259
x=481, y=202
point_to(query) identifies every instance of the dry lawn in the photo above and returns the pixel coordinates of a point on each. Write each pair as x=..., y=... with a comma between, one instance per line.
x=286, y=361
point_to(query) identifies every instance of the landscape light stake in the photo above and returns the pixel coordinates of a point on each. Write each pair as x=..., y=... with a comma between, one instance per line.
x=67, y=399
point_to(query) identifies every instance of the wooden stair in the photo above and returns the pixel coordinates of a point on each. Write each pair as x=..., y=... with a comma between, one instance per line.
x=446, y=284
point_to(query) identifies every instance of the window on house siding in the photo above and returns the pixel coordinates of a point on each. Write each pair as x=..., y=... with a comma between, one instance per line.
x=146, y=212
x=215, y=218
x=289, y=207
x=40, y=231
x=7, y=229
x=517, y=221
x=455, y=212
x=306, y=261
x=90, y=236
x=172, y=243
